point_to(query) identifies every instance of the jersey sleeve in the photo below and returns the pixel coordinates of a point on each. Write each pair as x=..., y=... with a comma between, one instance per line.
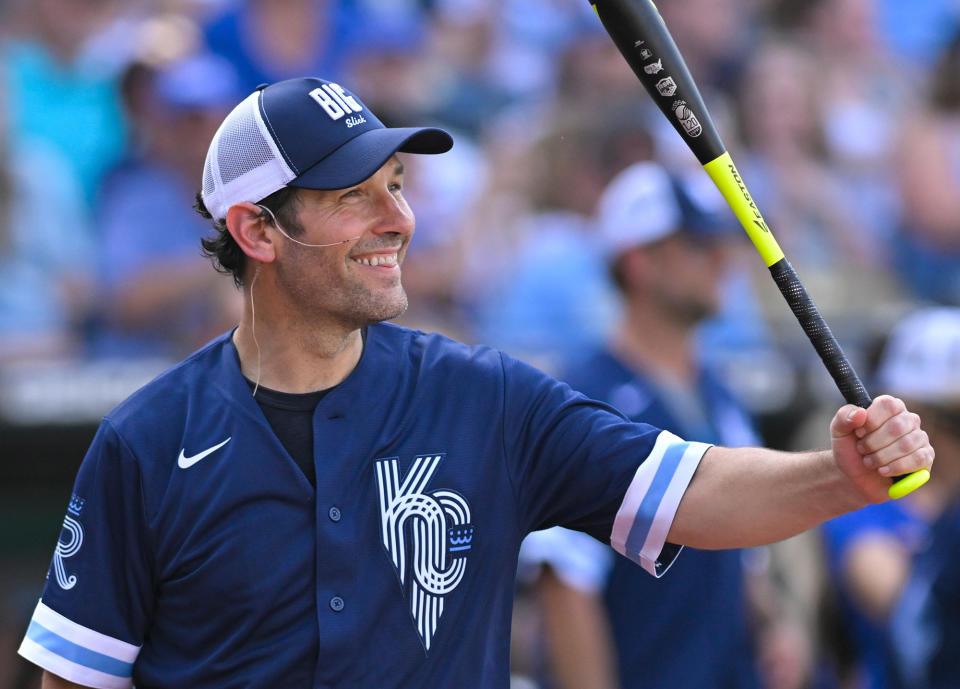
x=90, y=622
x=579, y=463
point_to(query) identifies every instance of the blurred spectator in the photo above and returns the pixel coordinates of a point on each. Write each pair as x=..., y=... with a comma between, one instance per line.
x=540, y=289
x=807, y=199
x=463, y=94
x=445, y=190
x=715, y=37
x=608, y=623
x=918, y=30
x=529, y=36
x=59, y=93
x=46, y=251
x=272, y=40
x=928, y=172
x=870, y=551
x=160, y=297
x=785, y=162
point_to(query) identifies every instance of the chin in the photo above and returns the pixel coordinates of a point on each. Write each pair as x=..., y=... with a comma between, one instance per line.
x=386, y=310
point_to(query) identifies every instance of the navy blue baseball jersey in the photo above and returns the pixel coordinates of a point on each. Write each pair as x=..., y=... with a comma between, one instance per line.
x=195, y=553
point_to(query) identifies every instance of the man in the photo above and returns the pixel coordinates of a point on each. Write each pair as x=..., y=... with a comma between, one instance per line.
x=157, y=298
x=320, y=499
x=914, y=541
x=664, y=244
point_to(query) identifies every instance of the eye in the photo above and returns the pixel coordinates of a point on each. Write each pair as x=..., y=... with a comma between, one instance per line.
x=350, y=194
x=396, y=186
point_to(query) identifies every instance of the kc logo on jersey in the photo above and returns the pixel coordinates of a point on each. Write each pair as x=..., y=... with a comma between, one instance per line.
x=427, y=536
x=74, y=534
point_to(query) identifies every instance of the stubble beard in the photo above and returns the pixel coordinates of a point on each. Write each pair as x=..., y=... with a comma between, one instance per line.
x=352, y=305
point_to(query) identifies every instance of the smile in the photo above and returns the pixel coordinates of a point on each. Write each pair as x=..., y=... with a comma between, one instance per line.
x=381, y=260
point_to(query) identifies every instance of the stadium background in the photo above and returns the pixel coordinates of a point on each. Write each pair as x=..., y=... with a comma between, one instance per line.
x=840, y=114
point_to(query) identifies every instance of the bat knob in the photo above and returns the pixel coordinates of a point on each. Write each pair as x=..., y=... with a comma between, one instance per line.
x=908, y=484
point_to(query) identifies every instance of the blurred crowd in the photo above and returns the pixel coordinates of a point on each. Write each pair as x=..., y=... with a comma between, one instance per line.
x=843, y=117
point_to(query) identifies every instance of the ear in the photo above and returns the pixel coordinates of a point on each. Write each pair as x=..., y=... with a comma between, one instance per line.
x=248, y=229
x=637, y=268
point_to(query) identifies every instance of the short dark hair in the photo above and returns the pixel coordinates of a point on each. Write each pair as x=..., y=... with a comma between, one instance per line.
x=222, y=249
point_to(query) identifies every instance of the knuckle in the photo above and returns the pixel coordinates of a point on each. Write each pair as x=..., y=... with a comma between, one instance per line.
x=894, y=405
x=900, y=425
x=906, y=444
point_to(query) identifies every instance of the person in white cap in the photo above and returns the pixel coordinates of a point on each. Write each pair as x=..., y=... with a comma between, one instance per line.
x=321, y=499
x=870, y=551
x=666, y=245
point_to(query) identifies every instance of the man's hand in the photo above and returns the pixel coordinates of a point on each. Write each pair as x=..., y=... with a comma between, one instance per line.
x=873, y=445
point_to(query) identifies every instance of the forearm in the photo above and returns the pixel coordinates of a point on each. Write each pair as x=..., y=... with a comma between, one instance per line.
x=742, y=497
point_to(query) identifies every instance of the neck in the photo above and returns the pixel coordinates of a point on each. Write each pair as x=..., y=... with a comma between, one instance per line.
x=290, y=354
x=649, y=341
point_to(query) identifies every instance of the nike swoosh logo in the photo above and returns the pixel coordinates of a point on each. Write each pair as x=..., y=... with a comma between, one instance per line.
x=185, y=462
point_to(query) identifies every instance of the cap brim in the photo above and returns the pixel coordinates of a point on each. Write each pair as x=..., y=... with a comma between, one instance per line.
x=363, y=155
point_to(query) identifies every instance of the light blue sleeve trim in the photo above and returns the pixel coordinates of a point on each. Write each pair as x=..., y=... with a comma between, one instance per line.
x=77, y=654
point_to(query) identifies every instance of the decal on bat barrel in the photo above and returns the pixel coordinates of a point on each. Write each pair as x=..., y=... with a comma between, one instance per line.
x=686, y=118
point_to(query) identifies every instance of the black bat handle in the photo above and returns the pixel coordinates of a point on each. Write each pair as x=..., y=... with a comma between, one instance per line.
x=818, y=331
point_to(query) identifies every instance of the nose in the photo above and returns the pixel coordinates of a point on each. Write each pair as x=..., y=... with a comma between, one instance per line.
x=393, y=214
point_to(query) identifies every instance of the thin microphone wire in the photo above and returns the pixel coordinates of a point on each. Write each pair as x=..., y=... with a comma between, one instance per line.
x=276, y=224
x=253, y=329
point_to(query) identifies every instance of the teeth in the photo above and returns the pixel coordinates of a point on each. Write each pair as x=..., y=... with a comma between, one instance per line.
x=390, y=260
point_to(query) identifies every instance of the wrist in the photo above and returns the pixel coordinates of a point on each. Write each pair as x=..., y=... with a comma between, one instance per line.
x=845, y=495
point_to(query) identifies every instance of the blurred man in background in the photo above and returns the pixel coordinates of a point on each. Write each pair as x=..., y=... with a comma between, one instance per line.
x=913, y=598
x=160, y=299
x=870, y=551
x=665, y=243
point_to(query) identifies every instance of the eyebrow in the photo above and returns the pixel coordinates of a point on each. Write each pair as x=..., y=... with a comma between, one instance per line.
x=398, y=169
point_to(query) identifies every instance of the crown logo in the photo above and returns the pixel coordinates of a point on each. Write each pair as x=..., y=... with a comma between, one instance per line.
x=76, y=504
x=460, y=539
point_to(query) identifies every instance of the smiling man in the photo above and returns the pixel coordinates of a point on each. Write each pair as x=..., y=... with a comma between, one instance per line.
x=321, y=499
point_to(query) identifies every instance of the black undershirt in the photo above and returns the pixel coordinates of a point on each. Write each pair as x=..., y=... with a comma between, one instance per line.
x=291, y=416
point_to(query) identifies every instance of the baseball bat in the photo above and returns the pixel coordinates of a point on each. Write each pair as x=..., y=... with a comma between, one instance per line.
x=643, y=39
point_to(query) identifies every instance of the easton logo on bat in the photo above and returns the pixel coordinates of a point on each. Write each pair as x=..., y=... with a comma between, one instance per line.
x=757, y=218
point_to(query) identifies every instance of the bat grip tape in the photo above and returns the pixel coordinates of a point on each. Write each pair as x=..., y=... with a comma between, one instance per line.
x=833, y=357
x=819, y=333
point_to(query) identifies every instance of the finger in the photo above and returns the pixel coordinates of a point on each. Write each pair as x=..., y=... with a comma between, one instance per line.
x=889, y=433
x=901, y=447
x=882, y=408
x=916, y=460
x=847, y=419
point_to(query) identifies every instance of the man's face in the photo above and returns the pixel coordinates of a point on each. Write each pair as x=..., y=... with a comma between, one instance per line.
x=685, y=276
x=355, y=283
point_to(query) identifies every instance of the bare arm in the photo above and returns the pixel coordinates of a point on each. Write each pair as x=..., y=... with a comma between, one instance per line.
x=52, y=681
x=578, y=635
x=875, y=571
x=750, y=496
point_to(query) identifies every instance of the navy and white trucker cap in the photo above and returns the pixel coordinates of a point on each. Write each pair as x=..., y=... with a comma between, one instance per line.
x=308, y=133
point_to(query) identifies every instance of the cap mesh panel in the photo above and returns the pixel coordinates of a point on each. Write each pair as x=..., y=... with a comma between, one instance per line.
x=243, y=163
x=242, y=147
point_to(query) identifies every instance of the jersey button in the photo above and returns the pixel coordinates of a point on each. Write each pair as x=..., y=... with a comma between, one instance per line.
x=336, y=603
x=334, y=514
